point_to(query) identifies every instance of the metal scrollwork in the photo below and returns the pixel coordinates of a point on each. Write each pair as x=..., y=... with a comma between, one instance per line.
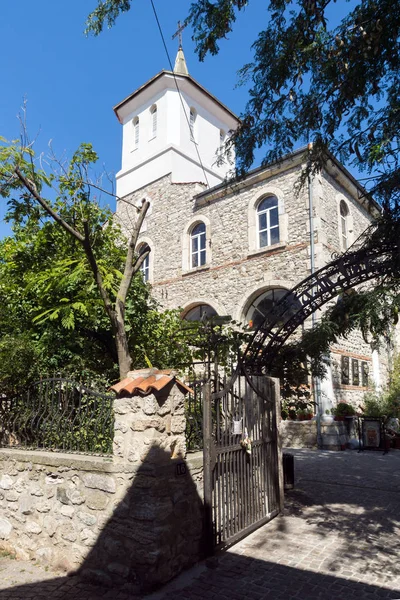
x=371, y=257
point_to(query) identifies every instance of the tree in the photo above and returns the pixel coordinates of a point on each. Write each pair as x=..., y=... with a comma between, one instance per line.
x=334, y=86
x=52, y=317
x=91, y=230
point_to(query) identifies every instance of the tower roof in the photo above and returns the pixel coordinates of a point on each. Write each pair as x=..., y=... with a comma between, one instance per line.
x=182, y=78
x=180, y=67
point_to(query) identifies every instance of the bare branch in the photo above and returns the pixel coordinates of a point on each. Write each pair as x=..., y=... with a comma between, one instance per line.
x=32, y=189
x=131, y=266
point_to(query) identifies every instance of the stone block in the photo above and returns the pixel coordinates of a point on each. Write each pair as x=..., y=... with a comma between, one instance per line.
x=68, y=532
x=67, y=511
x=12, y=496
x=87, y=518
x=33, y=527
x=6, y=482
x=96, y=500
x=178, y=424
x=88, y=537
x=150, y=405
x=50, y=525
x=97, y=481
x=5, y=529
x=26, y=504
x=118, y=569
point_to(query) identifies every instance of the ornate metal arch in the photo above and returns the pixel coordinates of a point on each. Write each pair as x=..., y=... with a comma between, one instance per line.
x=377, y=257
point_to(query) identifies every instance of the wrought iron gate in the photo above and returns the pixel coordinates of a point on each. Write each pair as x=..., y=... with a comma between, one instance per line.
x=242, y=482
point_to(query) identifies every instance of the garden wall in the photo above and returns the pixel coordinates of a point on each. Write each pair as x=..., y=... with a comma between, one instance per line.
x=134, y=519
x=303, y=434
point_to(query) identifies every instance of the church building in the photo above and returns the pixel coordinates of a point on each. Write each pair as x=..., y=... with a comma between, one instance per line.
x=233, y=249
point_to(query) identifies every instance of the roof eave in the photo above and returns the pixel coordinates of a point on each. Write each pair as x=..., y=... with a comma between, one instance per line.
x=175, y=75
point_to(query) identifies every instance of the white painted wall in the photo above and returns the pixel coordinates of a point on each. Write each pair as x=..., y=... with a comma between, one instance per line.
x=172, y=150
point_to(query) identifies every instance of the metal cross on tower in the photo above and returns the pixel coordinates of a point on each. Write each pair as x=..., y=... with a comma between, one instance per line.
x=178, y=32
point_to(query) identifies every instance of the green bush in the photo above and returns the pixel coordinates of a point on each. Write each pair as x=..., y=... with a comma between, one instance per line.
x=344, y=410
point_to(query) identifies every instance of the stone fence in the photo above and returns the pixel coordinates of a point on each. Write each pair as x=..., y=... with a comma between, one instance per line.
x=303, y=434
x=134, y=519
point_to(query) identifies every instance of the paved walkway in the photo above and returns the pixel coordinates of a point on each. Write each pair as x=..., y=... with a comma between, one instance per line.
x=337, y=539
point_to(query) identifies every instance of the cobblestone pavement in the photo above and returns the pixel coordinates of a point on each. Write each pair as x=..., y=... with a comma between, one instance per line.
x=337, y=539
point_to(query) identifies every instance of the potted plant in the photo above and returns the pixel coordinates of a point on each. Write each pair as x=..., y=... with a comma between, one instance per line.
x=343, y=410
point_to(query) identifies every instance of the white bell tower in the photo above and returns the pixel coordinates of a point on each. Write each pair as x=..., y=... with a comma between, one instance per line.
x=172, y=125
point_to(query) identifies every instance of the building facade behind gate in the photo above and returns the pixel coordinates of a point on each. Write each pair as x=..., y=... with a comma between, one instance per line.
x=218, y=248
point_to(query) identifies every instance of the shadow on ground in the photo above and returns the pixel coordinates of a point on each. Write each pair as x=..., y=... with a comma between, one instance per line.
x=337, y=539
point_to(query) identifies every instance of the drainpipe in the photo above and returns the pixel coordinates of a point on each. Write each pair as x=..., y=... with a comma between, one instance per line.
x=317, y=383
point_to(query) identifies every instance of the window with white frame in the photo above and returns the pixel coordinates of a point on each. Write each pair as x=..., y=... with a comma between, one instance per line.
x=135, y=133
x=268, y=222
x=153, y=121
x=198, y=246
x=193, y=116
x=145, y=266
x=344, y=225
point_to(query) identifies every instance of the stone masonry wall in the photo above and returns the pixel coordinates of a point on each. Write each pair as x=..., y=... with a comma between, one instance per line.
x=235, y=273
x=134, y=519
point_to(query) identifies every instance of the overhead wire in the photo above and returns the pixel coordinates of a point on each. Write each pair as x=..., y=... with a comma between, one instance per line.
x=178, y=89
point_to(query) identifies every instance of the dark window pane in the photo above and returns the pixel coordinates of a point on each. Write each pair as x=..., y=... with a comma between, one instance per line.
x=269, y=202
x=200, y=312
x=202, y=242
x=273, y=217
x=199, y=228
x=195, y=258
x=345, y=370
x=262, y=221
x=275, y=235
x=355, y=369
x=364, y=373
x=195, y=244
x=203, y=257
x=263, y=239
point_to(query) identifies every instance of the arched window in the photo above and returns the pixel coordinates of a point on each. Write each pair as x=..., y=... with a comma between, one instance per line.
x=200, y=313
x=145, y=266
x=263, y=304
x=268, y=222
x=193, y=116
x=344, y=229
x=136, y=132
x=153, y=124
x=198, y=245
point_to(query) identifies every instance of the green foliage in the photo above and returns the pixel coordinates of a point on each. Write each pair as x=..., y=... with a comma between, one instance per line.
x=385, y=404
x=373, y=311
x=107, y=11
x=335, y=86
x=344, y=410
x=52, y=318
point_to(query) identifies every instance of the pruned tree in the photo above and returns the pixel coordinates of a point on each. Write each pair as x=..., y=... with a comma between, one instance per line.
x=64, y=196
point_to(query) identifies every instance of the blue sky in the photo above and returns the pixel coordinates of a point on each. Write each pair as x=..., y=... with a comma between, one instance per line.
x=71, y=82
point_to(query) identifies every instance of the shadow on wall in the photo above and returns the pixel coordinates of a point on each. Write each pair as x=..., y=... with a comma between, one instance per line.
x=345, y=510
x=154, y=532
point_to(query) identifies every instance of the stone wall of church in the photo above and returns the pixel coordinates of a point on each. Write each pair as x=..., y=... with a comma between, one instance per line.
x=235, y=272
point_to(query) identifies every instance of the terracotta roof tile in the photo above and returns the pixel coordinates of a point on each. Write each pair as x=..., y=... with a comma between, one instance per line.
x=147, y=381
